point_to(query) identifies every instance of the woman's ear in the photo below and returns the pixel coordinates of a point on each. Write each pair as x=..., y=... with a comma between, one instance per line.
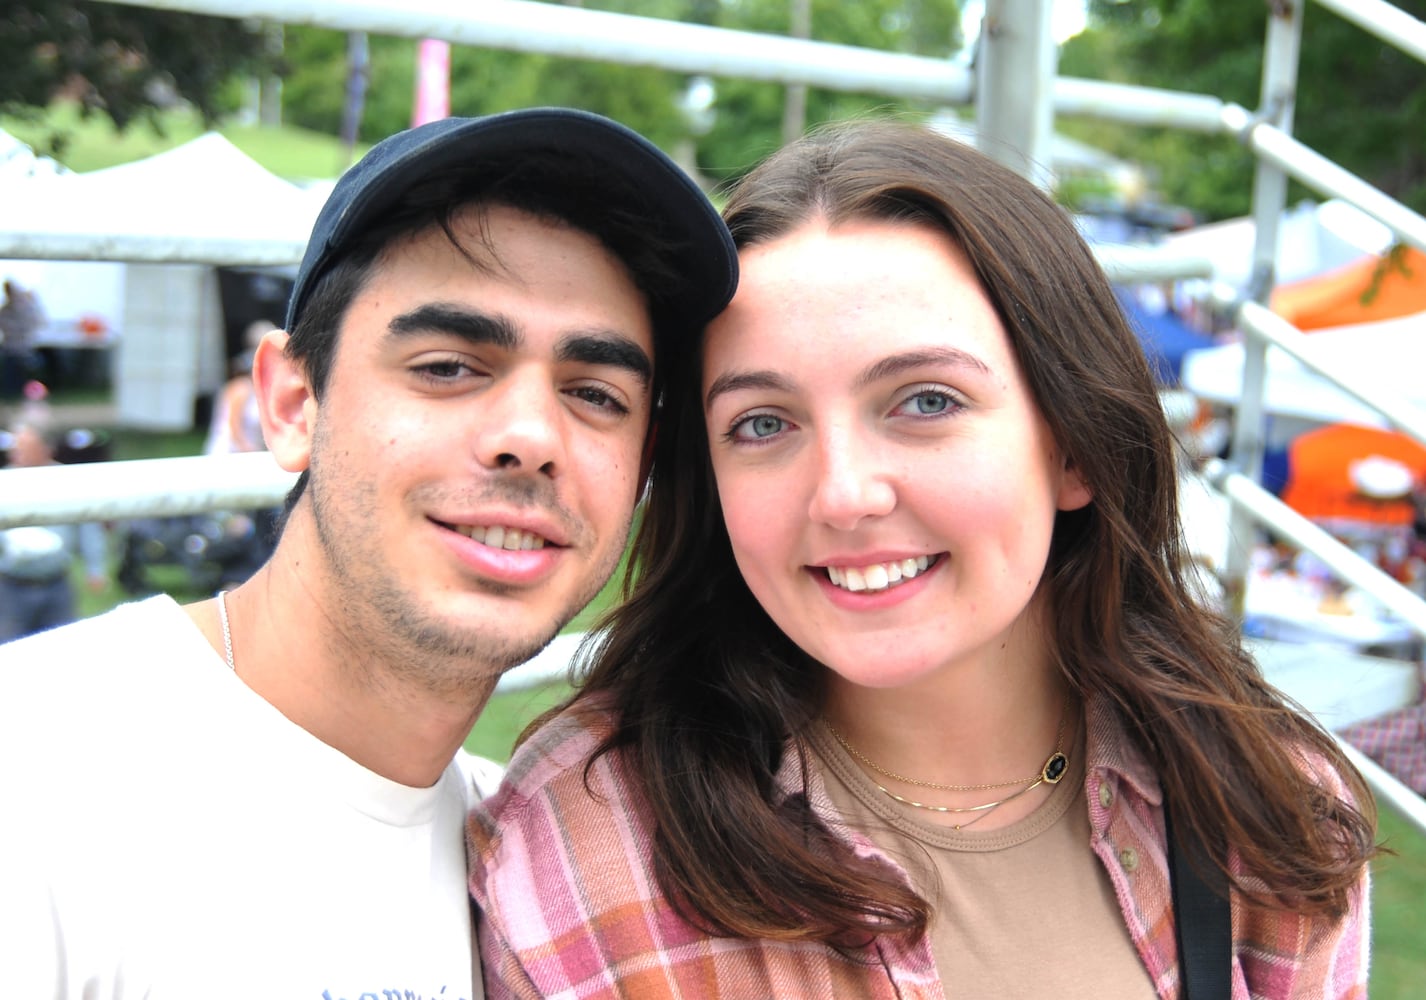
x=1074, y=492
x=285, y=401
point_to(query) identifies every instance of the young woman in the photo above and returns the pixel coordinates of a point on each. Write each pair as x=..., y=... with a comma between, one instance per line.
x=910, y=671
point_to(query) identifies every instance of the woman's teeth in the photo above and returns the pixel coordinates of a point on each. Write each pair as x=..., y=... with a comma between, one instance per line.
x=877, y=576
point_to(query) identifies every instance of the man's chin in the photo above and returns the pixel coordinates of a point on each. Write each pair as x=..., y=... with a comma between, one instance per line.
x=495, y=652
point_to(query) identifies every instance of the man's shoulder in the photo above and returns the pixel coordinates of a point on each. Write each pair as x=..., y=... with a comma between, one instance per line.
x=96, y=644
x=138, y=615
x=87, y=680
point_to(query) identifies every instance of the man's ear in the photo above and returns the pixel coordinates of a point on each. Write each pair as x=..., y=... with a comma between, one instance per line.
x=285, y=401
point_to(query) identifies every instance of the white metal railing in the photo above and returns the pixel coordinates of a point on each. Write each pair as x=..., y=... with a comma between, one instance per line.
x=1268, y=509
x=1388, y=791
x=156, y=487
x=1385, y=20
x=1262, y=323
x=1319, y=173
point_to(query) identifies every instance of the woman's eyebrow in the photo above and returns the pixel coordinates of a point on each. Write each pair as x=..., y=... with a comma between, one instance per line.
x=931, y=356
x=735, y=380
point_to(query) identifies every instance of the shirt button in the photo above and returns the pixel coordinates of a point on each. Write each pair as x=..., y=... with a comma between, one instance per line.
x=1106, y=794
x=1129, y=858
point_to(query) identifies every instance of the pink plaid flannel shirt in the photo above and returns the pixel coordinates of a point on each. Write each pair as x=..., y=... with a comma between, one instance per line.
x=569, y=909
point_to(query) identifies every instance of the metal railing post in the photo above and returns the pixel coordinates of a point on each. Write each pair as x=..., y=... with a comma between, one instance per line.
x=1014, y=86
x=1276, y=103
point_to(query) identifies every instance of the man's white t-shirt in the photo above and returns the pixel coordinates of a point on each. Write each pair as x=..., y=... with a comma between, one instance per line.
x=168, y=834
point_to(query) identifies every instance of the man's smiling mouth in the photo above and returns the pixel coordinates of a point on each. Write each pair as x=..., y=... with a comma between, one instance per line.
x=500, y=537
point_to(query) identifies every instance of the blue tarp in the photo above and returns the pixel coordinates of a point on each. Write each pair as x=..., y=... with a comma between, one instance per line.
x=1165, y=338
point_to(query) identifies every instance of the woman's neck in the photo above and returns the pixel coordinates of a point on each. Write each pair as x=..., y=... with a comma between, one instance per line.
x=987, y=721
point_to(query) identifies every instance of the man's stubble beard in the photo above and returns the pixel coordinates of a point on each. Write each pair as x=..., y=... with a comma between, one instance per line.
x=390, y=628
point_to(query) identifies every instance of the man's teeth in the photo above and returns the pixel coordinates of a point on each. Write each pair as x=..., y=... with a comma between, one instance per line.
x=498, y=537
x=877, y=576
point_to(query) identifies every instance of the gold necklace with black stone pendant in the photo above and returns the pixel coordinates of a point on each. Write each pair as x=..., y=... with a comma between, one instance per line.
x=1050, y=774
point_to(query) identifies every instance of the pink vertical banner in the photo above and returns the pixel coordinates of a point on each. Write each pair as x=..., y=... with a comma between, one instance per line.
x=433, y=82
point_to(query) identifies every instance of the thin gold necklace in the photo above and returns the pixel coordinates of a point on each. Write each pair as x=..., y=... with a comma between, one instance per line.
x=1050, y=774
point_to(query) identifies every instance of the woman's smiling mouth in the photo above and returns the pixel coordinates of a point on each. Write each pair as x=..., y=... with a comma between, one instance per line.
x=879, y=576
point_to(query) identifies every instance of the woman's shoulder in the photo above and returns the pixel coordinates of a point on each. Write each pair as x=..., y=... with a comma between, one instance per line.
x=580, y=831
x=560, y=746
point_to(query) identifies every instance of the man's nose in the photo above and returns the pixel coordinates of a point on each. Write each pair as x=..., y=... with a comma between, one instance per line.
x=520, y=425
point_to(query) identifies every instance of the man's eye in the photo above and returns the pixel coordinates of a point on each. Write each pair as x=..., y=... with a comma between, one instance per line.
x=442, y=369
x=600, y=398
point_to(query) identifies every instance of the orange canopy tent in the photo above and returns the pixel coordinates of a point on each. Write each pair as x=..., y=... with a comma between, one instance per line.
x=1320, y=483
x=1373, y=288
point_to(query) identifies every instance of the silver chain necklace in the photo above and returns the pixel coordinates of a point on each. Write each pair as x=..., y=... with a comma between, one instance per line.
x=227, y=632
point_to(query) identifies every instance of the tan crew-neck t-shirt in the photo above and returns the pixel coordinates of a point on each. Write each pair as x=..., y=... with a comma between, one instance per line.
x=1021, y=912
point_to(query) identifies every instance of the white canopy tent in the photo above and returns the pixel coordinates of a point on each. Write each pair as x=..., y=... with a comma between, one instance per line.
x=1311, y=238
x=1390, y=353
x=206, y=196
x=204, y=191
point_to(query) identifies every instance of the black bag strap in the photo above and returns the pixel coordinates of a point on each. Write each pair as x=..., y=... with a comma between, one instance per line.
x=1202, y=921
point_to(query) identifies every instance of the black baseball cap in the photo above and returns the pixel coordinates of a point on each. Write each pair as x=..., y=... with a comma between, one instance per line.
x=703, y=254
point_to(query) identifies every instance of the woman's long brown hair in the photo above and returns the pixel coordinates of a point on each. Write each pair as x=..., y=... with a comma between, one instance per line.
x=710, y=695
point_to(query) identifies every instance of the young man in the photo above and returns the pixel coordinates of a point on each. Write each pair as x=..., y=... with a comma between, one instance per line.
x=256, y=795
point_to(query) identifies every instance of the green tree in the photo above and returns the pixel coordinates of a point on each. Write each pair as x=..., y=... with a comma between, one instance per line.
x=482, y=81
x=1360, y=101
x=748, y=120
x=124, y=62
x=748, y=125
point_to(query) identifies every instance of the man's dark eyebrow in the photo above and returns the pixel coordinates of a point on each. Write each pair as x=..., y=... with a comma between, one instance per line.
x=733, y=381
x=898, y=363
x=609, y=349
x=595, y=347
x=475, y=327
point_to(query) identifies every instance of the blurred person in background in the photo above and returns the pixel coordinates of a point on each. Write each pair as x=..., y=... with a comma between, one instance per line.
x=236, y=424
x=36, y=590
x=237, y=427
x=21, y=318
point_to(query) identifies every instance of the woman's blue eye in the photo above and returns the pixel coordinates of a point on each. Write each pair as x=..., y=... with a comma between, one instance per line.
x=757, y=427
x=930, y=403
x=764, y=425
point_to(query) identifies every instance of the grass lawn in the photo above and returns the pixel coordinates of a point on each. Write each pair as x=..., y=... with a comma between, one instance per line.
x=1399, y=914
x=507, y=714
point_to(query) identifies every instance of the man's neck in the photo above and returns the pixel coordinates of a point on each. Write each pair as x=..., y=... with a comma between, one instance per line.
x=288, y=652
